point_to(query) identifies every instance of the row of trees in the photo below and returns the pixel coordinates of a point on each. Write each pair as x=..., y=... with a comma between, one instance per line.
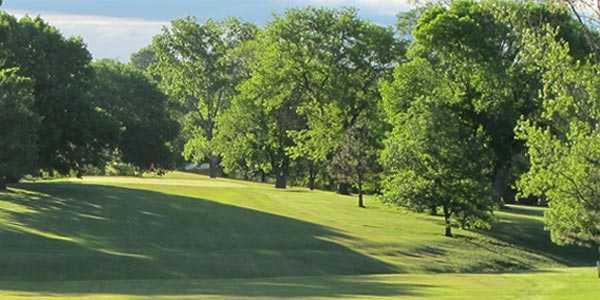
x=326, y=99
x=459, y=108
x=62, y=113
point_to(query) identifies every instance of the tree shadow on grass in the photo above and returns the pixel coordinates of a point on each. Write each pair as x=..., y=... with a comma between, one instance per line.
x=523, y=228
x=286, y=287
x=66, y=231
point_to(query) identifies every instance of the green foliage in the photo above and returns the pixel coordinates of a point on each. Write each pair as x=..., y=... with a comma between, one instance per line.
x=18, y=137
x=198, y=67
x=143, y=59
x=434, y=157
x=60, y=73
x=314, y=76
x=564, y=146
x=141, y=127
x=355, y=159
x=479, y=47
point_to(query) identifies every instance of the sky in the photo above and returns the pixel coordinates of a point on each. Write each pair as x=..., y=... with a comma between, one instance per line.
x=117, y=28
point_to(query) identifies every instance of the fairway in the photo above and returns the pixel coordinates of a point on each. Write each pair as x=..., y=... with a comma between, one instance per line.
x=187, y=236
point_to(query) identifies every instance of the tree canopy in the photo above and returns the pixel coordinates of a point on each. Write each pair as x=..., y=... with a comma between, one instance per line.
x=60, y=72
x=563, y=145
x=18, y=137
x=142, y=127
x=197, y=68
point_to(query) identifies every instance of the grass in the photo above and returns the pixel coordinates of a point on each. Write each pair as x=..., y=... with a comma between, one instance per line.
x=187, y=236
x=550, y=285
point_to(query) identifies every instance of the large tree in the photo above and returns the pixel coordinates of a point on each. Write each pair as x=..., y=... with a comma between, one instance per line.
x=60, y=72
x=197, y=66
x=143, y=128
x=434, y=156
x=317, y=71
x=345, y=57
x=478, y=45
x=564, y=145
x=18, y=137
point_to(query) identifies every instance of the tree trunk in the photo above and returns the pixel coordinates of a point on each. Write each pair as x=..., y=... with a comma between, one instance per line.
x=281, y=180
x=2, y=184
x=213, y=162
x=311, y=176
x=281, y=174
x=263, y=177
x=447, y=221
x=433, y=210
x=448, y=231
x=361, y=203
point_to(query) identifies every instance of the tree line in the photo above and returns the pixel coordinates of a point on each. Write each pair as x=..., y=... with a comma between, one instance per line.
x=456, y=110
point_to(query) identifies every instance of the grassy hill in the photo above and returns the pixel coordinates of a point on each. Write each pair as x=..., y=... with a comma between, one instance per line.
x=187, y=228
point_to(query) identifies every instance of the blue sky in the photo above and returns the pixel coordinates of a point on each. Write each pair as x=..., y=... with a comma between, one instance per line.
x=117, y=28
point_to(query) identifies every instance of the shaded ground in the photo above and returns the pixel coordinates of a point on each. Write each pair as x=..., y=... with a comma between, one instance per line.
x=84, y=232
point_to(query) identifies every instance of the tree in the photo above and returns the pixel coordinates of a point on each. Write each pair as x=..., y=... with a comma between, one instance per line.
x=18, y=137
x=198, y=68
x=323, y=64
x=434, y=157
x=478, y=45
x=60, y=71
x=563, y=146
x=143, y=128
x=143, y=59
x=355, y=159
x=345, y=98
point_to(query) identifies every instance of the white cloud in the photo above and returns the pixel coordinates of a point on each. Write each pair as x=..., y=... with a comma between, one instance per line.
x=381, y=7
x=106, y=37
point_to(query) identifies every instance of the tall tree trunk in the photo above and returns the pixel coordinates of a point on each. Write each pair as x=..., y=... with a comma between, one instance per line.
x=433, y=210
x=500, y=185
x=213, y=162
x=447, y=221
x=281, y=175
x=280, y=180
x=263, y=177
x=311, y=176
x=360, y=192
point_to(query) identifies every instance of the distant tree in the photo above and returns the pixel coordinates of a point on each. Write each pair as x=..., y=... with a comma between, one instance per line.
x=348, y=58
x=18, y=137
x=198, y=68
x=355, y=160
x=138, y=110
x=434, y=157
x=143, y=58
x=60, y=72
x=406, y=21
x=319, y=68
x=252, y=137
x=564, y=146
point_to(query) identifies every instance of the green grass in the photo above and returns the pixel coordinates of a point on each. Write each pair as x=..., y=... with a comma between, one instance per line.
x=186, y=235
x=550, y=285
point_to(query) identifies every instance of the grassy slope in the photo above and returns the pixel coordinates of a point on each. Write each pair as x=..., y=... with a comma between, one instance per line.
x=186, y=226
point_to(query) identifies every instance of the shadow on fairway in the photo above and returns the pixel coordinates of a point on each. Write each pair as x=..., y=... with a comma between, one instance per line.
x=91, y=232
x=288, y=287
x=523, y=227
